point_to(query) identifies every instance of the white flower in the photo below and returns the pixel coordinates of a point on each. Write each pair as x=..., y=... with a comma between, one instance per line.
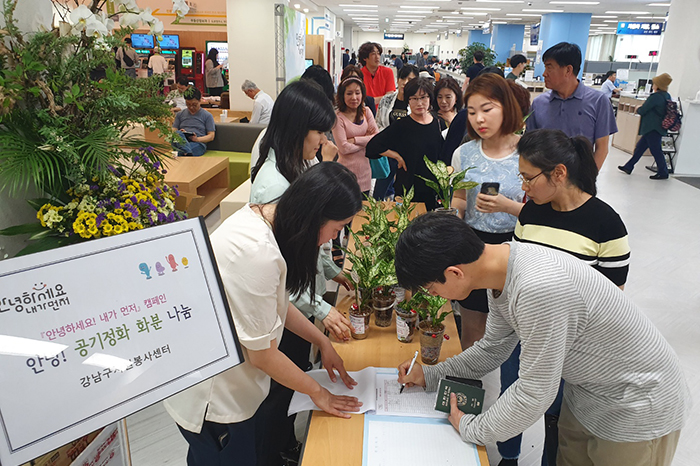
x=157, y=27
x=95, y=28
x=180, y=8
x=106, y=20
x=128, y=5
x=80, y=16
x=129, y=20
x=146, y=16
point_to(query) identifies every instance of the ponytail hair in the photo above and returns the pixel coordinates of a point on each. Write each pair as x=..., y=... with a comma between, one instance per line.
x=546, y=148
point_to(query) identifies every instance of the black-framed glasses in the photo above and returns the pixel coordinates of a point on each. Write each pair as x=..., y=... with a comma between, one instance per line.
x=527, y=181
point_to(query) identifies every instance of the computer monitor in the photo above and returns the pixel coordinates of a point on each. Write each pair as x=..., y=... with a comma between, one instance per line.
x=170, y=41
x=309, y=62
x=142, y=41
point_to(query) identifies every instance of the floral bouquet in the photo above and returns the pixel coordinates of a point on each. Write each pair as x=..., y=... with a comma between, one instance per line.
x=126, y=199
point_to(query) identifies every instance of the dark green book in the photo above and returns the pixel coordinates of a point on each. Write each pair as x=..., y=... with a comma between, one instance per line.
x=470, y=399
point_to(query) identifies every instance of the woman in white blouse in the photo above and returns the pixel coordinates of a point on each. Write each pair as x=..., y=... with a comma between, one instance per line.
x=262, y=258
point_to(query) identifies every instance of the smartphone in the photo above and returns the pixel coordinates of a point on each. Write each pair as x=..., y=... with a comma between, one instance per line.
x=490, y=188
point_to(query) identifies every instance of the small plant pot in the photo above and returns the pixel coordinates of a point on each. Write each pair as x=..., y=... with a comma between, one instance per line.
x=448, y=210
x=430, y=342
x=383, y=308
x=405, y=324
x=359, y=322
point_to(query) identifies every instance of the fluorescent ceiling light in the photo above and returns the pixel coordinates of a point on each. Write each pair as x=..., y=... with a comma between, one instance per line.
x=475, y=13
x=573, y=3
x=610, y=21
x=500, y=1
x=417, y=7
x=297, y=6
x=522, y=14
x=601, y=17
x=479, y=9
x=357, y=5
x=361, y=11
x=499, y=22
x=658, y=4
x=627, y=12
x=541, y=10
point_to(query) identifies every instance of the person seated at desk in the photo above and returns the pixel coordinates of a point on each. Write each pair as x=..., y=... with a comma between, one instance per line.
x=608, y=87
x=176, y=97
x=195, y=125
x=262, y=108
x=625, y=396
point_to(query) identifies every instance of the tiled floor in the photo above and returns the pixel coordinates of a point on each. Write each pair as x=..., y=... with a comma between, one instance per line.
x=663, y=220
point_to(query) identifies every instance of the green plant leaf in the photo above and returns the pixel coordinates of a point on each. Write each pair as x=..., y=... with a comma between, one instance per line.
x=47, y=243
x=27, y=228
x=465, y=185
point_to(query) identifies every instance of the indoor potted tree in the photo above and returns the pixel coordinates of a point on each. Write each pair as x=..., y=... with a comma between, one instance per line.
x=446, y=183
x=431, y=328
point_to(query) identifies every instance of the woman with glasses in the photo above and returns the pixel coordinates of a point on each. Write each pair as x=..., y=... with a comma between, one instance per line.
x=558, y=176
x=494, y=115
x=410, y=138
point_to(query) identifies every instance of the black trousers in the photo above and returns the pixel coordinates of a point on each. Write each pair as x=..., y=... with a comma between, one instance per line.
x=274, y=430
x=222, y=444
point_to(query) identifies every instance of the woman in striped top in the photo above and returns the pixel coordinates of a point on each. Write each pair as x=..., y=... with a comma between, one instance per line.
x=559, y=178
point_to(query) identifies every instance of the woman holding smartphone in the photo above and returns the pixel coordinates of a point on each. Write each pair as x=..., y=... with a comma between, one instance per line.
x=492, y=208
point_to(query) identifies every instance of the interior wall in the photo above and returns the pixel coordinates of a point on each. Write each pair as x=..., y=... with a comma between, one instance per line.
x=637, y=45
x=449, y=47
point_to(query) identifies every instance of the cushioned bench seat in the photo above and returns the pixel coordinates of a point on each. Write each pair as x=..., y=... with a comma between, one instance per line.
x=239, y=165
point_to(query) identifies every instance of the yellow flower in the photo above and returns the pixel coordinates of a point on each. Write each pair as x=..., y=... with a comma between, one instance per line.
x=93, y=230
x=90, y=222
x=118, y=211
x=127, y=214
x=107, y=227
x=133, y=226
x=118, y=229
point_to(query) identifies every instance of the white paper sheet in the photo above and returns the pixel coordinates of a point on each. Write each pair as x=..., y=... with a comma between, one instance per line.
x=391, y=441
x=364, y=390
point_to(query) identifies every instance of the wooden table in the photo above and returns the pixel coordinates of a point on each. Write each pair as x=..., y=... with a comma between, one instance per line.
x=331, y=440
x=204, y=180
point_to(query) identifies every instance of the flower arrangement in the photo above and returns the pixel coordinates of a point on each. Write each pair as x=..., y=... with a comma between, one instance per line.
x=128, y=199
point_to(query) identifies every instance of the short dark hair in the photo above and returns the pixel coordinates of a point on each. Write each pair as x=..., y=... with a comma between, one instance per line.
x=517, y=59
x=320, y=76
x=432, y=243
x=565, y=54
x=406, y=71
x=352, y=70
x=479, y=55
x=301, y=107
x=183, y=81
x=492, y=70
x=393, y=55
x=609, y=73
x=340, y=97
x=367, y=48
x=192, y=93
x=426, y=53
x=544, y=149
x=414, y=85
x=127, y=40
x=451, y=84
x=496, y=88
x=327, y=191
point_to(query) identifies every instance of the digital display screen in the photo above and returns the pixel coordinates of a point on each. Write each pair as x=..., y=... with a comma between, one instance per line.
x=187, y=58
x=222, y=48
x=641, y=29
x=170, y=41
x=309, y=62
x=142, y=41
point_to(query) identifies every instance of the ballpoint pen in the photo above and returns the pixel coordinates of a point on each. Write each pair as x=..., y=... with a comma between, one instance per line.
x=410, y=368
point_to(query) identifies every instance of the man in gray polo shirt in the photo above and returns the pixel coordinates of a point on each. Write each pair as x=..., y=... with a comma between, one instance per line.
x=195, y=125
x=571, y=106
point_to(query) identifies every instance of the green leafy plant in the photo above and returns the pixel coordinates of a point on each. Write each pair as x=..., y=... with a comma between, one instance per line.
x=446, y=180
x=429, y=308
x=403, y=209
x=369, y=270
x=467, y=55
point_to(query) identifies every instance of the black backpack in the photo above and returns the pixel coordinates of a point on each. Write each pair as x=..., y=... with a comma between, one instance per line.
x=127, y=59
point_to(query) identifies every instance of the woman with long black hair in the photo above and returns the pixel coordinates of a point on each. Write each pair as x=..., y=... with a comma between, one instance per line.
x=212, y=73
x=264, y=252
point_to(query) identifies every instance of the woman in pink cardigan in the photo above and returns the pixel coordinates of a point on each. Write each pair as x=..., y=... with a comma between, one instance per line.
x=353, y=130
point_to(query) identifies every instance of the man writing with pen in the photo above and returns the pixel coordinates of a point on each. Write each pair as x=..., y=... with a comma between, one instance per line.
x=625, y=397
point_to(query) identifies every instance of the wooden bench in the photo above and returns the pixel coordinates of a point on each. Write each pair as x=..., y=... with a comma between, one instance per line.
x=202, y=181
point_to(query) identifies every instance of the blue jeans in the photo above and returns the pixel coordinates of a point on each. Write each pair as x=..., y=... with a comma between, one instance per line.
x=510, y=449
x=385, y=187
x=189, y=147
x=651, y=141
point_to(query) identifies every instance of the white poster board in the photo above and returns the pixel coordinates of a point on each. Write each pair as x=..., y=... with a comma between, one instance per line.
x=294, y=44
x=93, y=332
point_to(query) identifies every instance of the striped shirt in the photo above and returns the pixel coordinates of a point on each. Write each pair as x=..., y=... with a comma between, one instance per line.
x=593, y=233
x=623, y=380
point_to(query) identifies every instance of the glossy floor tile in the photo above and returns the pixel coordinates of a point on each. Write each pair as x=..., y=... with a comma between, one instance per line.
x=663, y=220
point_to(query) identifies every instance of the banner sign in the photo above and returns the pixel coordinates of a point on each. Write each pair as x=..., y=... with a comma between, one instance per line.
x=534, y=33
x=393, y=36
x=646, y=29
x=94, y=332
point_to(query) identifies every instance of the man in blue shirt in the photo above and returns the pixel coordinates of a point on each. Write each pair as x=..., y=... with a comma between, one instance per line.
x=569, y=105
x=398, y=63
x=195, y=125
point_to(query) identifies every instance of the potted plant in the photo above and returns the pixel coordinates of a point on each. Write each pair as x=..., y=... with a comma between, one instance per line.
x=446, y=183
x=467, y=55
x=431, y=328
x=406, y=318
